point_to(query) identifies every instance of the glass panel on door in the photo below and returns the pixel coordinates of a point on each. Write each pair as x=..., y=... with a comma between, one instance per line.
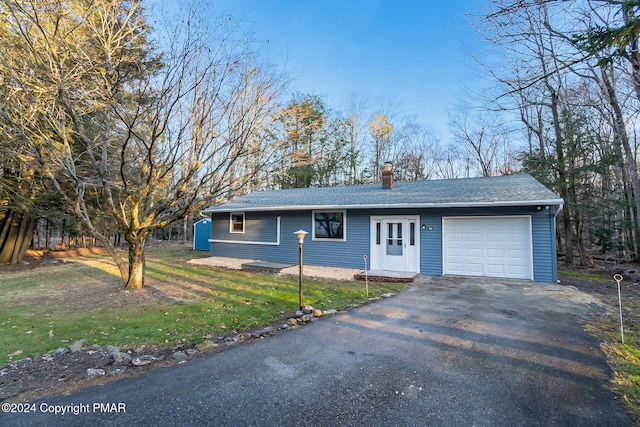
x=394, y=239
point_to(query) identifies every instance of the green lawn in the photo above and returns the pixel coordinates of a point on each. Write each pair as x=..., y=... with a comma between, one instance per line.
x=624, y=359
x=53, y=306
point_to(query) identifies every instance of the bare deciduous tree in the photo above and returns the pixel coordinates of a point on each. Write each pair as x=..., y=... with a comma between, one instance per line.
x=149, y=130
x=480, y=140
x=380, y=129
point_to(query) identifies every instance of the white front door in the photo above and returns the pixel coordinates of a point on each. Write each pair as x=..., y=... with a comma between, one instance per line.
x=394, y=252
x=395, y=243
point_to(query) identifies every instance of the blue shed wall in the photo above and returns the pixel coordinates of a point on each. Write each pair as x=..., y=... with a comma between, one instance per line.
x=201, y=235
x=261, y=227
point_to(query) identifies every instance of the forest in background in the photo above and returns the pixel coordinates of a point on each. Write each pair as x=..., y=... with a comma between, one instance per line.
x=157, y=124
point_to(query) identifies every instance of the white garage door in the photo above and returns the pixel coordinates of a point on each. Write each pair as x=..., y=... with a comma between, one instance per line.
x=488, y=246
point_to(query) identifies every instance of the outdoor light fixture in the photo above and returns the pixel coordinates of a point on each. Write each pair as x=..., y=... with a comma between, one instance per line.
x=300, y=234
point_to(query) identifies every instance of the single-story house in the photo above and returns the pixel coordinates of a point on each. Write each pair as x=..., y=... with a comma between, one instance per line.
x=491, y=226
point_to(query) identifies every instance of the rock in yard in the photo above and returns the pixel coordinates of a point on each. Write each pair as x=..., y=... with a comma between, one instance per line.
x=117, y=371
x=191, y=351
x=111, y=349
x=94, y=372
x=136, y=361
x=242, y=337
x=265, y=331
x=632, y=275
x=145, y=359
x=307, y=309
x=205, y=345
x=149, y=357
x=317, y=313
x=292, y=321
x=62, y=350
x=120, y=358
x=77, y=346
x=180, y=356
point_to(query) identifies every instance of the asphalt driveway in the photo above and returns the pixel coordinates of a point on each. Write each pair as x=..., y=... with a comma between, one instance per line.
x=463, y=352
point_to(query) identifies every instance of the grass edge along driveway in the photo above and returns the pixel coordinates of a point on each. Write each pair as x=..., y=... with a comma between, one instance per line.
x=52, y=306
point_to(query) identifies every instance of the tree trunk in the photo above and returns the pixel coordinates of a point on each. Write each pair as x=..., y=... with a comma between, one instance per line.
x=16, y=233
x=632, y=54
x=47, y=234
x=63, y=234
x=83, y=237
x=137, y=264
x=562, y=178
x=622, y=137
x=185, y=228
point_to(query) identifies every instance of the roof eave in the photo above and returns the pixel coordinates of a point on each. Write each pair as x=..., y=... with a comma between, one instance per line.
x=543, y=202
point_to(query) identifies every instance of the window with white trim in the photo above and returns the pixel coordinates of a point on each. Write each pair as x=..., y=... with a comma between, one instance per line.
x=329, y=225
x=236, y=223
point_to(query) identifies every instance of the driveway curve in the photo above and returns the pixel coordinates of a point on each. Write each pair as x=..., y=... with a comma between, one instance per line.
x=447, y=351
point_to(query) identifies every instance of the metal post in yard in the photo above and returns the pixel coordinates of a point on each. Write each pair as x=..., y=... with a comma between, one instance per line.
x=366, y=276
x=618, y=278
x=300, y=234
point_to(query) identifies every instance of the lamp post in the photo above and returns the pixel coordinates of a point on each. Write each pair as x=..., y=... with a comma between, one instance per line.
x=300, y=234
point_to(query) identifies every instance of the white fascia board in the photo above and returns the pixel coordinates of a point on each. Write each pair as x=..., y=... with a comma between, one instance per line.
x=549, y=202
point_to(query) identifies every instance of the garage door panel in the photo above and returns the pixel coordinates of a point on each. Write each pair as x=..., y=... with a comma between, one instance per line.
x=515, y=238
x=494, y=238
x=495, y=253
x=474, y=253
x=456, y=267
x=476, y=268
x=517, y=253
x=516, y=271
x=495, y=269
x=455, y=252
x=488, y=246
x=455, y=237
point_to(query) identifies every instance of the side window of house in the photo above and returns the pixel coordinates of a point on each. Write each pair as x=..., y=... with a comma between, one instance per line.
x=329, y=225
x=237, y=223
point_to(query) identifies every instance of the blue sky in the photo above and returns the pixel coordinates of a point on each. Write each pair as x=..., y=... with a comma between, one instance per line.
x=412, y=54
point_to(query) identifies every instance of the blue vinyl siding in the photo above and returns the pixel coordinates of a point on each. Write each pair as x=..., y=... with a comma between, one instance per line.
x=544, y=246
x=258, y=226
x=261, y=227
x=431, y=244
x=341, y=254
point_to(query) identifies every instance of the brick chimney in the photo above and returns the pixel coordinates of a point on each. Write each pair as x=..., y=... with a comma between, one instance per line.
x=387, y=176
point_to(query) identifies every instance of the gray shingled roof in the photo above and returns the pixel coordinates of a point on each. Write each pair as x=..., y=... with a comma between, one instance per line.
x=508, y=190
